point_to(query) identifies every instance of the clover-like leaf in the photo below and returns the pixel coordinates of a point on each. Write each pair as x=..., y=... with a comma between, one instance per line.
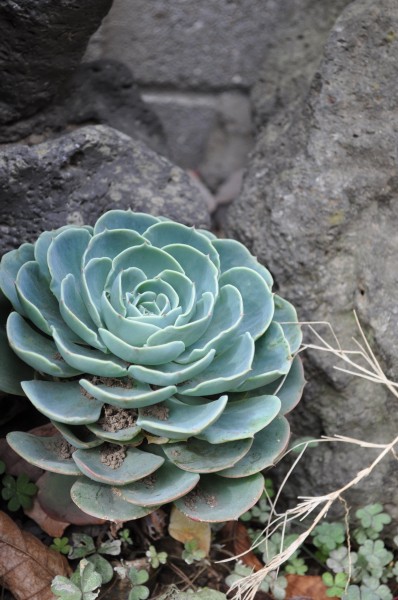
x=19, y=492
x=328, y=536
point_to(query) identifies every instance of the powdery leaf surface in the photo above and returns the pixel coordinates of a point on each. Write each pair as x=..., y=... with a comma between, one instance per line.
x=27, y=566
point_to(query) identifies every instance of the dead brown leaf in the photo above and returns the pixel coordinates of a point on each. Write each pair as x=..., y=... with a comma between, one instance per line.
x=306, y=587
x=155, y=524
x=183, y=529
x=27, y=566
x=236, y=539
x=54, y=527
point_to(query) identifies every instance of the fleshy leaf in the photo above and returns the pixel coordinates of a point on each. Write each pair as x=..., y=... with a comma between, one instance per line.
x=147, y=355
x=185, y=290
x=267, y=446
x=109, y=243
x=165, y=485
x=12, y=369
x=36, y=350
x=40, y=305
x=63, y=402
x=136, y=465
x=44, y=452
x=94, y=277
x=65, y=256
x=149, y=259
x=76, y=315
x=171, y=373
x=234, y=254
x=89, y=360
x=197, y=267
x=125, y=282
x=228, y=312
x=225, y=372
x=167, y=232
x=124, y=219
x=131, y=331
x=121, y=436
x=176, y=420
x=78, y=435
x=105, y=502
x=218, y=499
x=258, y=301
x=9, y=267
x=271, y=359
x=199, y=456
x=288, y=388
x=54, y=498
x=189, y=332
x=242, y=419
x=286, y=315
x=135, y=396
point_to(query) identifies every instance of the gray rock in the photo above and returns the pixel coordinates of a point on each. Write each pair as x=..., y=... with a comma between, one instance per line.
x=77, y=177
x=41, y=43
x=211, y=133
x=319, y=208
x=101, y=92
x=186, y=44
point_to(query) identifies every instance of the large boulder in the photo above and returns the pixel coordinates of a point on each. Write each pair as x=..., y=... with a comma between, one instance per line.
x=41, y=43
x=319, y=207
x=76, y=177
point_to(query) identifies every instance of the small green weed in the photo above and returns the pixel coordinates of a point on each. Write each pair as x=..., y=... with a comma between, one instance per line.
x=19, y=492
x=156, y=558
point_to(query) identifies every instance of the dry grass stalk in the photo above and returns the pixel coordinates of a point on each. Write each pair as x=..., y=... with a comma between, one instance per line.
x=246, y=588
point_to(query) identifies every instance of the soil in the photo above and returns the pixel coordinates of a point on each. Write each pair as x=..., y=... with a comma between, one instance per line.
x=62, y=448
x=112, y=455
x=114, y=419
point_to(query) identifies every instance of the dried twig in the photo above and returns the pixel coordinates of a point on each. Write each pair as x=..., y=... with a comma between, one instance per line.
x=246, y=588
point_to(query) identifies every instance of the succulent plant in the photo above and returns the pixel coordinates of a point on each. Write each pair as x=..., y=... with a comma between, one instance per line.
x=161, y=356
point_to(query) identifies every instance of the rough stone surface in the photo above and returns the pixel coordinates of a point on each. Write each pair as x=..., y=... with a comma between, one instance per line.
x=77, y=177
x=186, y=43
x=319, y=207
x=296, y=33
x=101, y=92
x=41, y=43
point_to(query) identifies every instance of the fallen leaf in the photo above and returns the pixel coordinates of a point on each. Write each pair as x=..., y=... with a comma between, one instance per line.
x=183, y=529
x=155, y=524
x=27, y=566
x=53, y=527
x=306, y=587
x=236, y=539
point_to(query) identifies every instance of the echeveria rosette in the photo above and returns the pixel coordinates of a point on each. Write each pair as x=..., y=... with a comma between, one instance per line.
x=172, y=332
